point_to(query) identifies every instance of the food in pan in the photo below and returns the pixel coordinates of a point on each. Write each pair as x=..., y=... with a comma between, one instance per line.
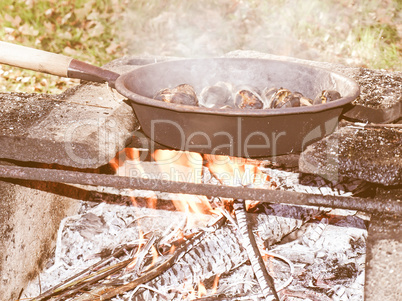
x=183, y=94
x=224, y=95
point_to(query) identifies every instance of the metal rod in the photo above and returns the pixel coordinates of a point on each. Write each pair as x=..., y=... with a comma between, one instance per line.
x=370, y=205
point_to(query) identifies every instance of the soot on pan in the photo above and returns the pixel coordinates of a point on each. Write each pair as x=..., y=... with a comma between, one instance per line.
x=224, y=95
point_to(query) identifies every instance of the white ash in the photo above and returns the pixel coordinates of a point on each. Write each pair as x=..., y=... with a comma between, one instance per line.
x=216, y=254
x=329, y=258
x=82, y=238
x=281, y=220
x=327, y=255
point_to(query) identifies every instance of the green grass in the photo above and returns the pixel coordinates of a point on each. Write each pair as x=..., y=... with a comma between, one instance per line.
x=357, y=33
x=85, y=30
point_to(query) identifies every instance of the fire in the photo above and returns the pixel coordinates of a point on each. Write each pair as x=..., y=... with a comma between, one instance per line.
x=235, y=171
x=154, y=256
x=215, y=285
x=132, y=154
x=179, y=166
x=190, y=291
x=152, y=201
x=184, y=166
x=202, y=291
x=271, y=270
x=172, y=249
x=132, y=264
x=188, y=167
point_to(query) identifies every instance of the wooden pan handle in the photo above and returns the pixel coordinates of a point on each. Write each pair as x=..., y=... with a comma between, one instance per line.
x=56, y=64
x=34, y=59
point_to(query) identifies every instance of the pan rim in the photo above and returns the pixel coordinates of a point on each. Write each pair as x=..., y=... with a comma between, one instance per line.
x=143, y=100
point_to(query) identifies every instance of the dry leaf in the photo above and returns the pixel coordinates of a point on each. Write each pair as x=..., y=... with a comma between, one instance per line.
x=97, y=30
x=49, y=12
x=66, y=36
x=28, y=30
x=66, y=18
x=112, y=48
x=70, y=52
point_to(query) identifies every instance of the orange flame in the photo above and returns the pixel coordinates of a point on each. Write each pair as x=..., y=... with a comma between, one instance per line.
x=172, y=249
x=131, y=265
x=132, y=154
x=271, y=265
x=152, y=201
x=127, y=163
x=133, y=201
x=215, y=285
x=183, y=166
x=154, y=255
x=235, y=171
x=202, y=291
x=190, y=291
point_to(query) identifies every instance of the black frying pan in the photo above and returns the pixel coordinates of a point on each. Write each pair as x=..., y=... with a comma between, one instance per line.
x=235, y=132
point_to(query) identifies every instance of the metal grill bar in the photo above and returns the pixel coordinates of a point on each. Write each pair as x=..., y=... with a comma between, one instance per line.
x=370, y=205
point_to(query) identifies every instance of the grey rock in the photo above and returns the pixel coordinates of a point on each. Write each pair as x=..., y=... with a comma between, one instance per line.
x=372, y=154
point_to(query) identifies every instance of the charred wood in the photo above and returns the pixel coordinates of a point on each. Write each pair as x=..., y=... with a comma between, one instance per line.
x=265, y=280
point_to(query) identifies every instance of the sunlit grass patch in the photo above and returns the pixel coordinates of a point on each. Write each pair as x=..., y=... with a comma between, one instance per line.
x=85, y=30
x=357, y=33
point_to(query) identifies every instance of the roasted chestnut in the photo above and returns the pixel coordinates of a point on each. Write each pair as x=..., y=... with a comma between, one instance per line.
x=221, y=95
x=281, y=98
x=248, y=98
x=327, y=96
x=303, y=101
x=183, y=94
x=217, y=96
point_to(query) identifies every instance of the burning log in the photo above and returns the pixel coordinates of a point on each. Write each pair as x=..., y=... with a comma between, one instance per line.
x=265, y=280
x=171, y=269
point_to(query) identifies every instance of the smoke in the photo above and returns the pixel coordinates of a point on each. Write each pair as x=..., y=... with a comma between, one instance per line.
x=319, y=30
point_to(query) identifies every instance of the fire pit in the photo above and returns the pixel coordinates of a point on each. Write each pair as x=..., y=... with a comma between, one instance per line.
x=310, y=250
